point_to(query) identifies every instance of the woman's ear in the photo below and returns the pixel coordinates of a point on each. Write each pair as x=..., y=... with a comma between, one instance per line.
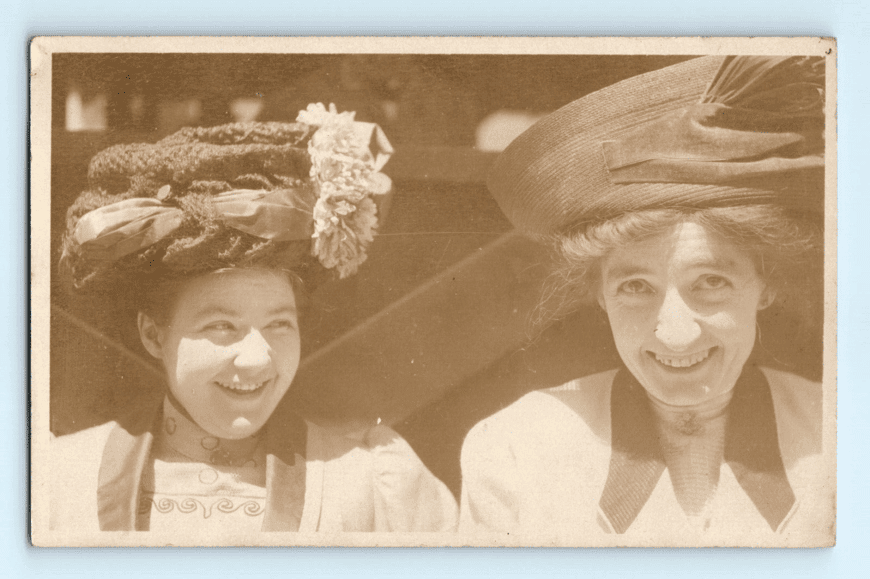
x=768, y=295
x=149, y=333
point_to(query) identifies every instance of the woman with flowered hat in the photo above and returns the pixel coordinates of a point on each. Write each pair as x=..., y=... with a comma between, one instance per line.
x=684, y=202
x=212, y=235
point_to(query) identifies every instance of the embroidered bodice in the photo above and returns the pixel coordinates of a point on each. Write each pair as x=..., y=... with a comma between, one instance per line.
x=199, y=481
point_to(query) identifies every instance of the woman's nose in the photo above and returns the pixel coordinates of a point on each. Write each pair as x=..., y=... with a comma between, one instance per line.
x=253, y=352
x=677, y=327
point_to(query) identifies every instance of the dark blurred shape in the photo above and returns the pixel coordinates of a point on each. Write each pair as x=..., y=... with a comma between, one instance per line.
x=440, y=99
x=411, y=97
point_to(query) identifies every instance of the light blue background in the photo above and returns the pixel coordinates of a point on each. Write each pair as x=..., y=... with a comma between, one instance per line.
x=848, y=21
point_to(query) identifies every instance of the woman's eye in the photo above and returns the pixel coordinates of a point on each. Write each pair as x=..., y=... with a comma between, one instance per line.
x=712, y=282
x=220, y=327
x=282, y=325
x=635, y=286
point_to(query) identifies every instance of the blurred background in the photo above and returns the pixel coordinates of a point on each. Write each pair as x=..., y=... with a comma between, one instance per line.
x=436, y=331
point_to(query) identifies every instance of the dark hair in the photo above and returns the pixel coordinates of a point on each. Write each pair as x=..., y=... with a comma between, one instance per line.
x=157, y=295
x=784, y=248
x=111, y=302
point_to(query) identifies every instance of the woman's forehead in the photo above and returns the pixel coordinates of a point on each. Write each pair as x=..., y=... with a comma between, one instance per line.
x=238, y=289
x=684, y=246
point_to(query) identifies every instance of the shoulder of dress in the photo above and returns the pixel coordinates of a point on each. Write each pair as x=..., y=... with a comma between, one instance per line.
x=94, y=437
x=584, y=400
x=336, y=442
x=793, y=393
x=591, y=384
x=75, y=463
x=378, y=451
x=381, y=435
x=797, y=404
x=390, y=452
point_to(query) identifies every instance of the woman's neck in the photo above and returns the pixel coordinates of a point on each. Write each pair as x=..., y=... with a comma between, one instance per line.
x=690, y=420
x=180, y=434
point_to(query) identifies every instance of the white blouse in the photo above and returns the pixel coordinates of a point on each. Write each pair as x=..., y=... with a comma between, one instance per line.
x=199, y=482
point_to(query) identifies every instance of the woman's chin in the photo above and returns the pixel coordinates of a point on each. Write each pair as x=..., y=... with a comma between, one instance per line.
x=690, y=396
x=234, y=428
x=682, y=386
x=242, y=427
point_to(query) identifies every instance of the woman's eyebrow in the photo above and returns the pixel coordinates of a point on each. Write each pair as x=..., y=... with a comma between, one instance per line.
x=712, y=263
x=286, y=309
x=626, y=270
x=215, y=310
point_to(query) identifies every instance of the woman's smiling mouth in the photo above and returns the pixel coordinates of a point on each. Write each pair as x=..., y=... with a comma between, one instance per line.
x=242, y=388
x=681, y=362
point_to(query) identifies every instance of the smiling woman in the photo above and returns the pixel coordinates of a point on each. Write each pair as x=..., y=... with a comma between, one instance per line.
x=682, y=307
x=684, y=211
x=210, y=237
x=687, y=272
x=231, y=349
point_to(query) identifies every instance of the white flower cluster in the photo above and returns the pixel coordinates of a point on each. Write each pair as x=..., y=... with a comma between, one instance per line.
x=344, y=175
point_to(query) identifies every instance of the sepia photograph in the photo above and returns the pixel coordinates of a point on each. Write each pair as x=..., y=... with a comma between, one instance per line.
x=528, y=292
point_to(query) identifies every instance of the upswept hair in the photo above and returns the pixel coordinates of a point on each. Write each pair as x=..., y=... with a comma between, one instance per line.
x=784, y=248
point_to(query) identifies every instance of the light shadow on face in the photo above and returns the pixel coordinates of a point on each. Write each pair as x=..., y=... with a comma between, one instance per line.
x=231, y=348
x=682, y=307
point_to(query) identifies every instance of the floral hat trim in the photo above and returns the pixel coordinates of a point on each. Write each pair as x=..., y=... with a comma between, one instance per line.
x=346, y=157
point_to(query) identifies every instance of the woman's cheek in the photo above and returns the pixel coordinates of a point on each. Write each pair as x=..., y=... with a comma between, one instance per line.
x=723, y=321
x=735, y=330
x=200, y=359
x=631, y=322
x=624, y=335
x=286, y=350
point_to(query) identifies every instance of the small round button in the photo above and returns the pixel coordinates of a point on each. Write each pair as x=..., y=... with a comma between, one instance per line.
x=208, y=476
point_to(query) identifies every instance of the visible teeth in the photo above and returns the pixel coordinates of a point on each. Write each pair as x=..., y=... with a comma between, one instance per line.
x=243, y=387
x=685, y=361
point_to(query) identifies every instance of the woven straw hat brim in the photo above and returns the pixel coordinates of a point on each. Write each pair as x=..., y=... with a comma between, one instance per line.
x=553, y=177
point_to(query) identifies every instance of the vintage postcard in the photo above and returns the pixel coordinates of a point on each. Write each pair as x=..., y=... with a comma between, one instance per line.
x=433, y=292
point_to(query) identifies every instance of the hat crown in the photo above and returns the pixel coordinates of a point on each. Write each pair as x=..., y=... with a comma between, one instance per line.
x=565, y=170
x=206, y=198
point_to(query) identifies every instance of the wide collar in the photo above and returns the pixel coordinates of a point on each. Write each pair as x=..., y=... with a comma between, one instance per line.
x=751, y=450
x=126, y=455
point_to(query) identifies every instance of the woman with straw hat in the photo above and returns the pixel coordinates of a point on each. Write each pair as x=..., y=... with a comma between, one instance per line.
x=684, y=202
